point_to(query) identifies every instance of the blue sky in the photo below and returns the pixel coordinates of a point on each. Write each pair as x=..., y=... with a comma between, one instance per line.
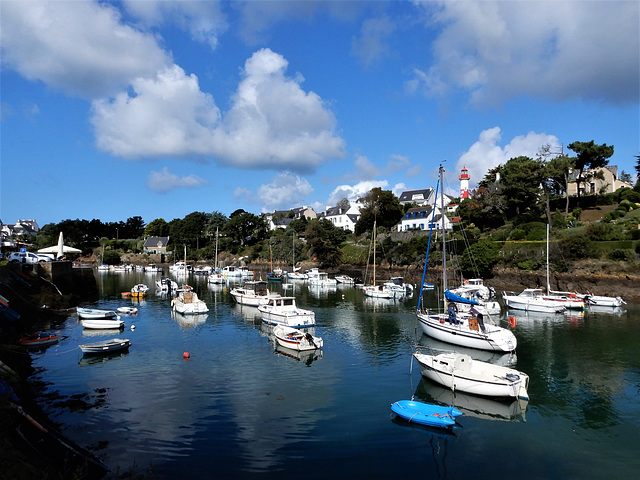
x=158, y=109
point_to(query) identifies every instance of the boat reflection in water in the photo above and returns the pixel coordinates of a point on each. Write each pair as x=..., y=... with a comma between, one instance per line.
x=189, y=321
x=307, y=357
x=435, y=347
x=87, y=360
x=471, y=405
x=248, y=313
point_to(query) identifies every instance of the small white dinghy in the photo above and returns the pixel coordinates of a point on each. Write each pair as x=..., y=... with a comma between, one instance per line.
x=295, y=339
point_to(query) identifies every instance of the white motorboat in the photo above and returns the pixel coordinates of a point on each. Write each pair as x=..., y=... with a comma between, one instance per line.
x=166, y=285
x=295, y=339
x=103, y=323
x=296, y=276
x=95, y=313
x=216, y=278
x=344, y=279
x=379, y=291
x=284, y=311
x=188, y=303
x=105, y=346
x=474, y=288
x=253, y=293
x=532, y=300
x=603, y=301
x=322, y=279
x=400, y=286
x=459, y=371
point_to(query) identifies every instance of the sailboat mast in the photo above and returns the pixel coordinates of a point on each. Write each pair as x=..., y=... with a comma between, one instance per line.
x=548, y=259
x=444, y=243
x=216, y=261
x=374, y=253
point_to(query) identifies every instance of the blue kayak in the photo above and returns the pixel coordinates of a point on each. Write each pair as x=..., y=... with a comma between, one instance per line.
x=426, y=413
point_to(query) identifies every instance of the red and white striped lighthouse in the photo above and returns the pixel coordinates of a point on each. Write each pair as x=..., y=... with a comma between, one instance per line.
x=464, y=183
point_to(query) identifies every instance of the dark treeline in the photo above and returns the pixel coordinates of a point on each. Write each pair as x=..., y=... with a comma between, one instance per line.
x=513, y=203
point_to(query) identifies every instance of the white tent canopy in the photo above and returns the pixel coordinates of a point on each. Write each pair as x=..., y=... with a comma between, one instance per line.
x=60, y=249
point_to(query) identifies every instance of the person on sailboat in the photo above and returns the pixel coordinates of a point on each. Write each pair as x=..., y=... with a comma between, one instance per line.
x=481, y=321
x=453, y=318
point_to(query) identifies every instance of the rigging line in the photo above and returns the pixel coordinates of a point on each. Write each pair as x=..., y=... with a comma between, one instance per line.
x=424, y=271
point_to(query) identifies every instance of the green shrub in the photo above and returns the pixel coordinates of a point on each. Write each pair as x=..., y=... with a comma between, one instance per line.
x=537, y=234
x=111, y=257
x=622, y=254
x=517, y=234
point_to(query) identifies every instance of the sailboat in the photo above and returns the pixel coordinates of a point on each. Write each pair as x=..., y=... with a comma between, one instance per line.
x=373, y=290
x=295, y=273
x=276, y=274
x=576, y=300
x=216, y=276
x=458, y=329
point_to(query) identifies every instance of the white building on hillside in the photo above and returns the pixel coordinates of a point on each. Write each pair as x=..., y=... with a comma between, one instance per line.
x=343, y=217
x=422, y=218
x=282, y=218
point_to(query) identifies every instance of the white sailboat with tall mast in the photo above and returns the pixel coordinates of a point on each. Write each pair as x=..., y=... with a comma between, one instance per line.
x=373, y=290
x=216, y=276
x=458, y=329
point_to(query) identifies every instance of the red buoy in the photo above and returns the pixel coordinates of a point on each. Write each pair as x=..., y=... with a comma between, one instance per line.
x=186, y=355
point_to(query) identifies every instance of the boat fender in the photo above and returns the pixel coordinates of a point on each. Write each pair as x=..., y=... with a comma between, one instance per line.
x=512, y=322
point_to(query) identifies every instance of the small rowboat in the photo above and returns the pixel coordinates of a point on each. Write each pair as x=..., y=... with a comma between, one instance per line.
x=127, y=310
x=105, y=346
x=38, y=340
x=295, y=339
x=426, y=413
x=95, y=313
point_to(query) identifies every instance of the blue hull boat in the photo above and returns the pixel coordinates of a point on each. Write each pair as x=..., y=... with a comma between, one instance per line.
x=426, y=413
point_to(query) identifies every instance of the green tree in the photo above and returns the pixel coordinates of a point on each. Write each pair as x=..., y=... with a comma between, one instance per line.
x=479, y=259
x=380, y=206
x=589, y=156
x=157, y=228
x=324, y=240
x=556, y=180
x=520, y=186
x=245, y=229
x=193, y=226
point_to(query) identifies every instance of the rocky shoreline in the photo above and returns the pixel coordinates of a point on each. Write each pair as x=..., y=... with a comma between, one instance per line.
x=41, y=305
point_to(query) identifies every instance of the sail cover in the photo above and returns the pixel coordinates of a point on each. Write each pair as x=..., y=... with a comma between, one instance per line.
x=452, y=297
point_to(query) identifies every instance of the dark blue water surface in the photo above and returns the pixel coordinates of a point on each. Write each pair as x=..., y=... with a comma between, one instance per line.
x=241, y=408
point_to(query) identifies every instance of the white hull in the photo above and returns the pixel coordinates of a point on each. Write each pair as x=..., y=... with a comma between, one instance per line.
x=103, y=324
x=296, y=340
x=188, y=303
x=532, y=305
x=600, y=301
x=283, y=311
x=303, y=318
x=95, y=313
x=460, y=372
x=494, y=338
x=379, y=292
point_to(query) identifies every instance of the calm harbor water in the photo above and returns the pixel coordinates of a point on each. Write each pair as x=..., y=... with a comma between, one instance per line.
x=241, y=408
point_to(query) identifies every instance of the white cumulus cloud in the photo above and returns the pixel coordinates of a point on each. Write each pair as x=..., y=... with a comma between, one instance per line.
x=204, y=21
x=165, y=181
x=487, y=152
x=286, y=190
x=80, y=48
x=558, y=50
